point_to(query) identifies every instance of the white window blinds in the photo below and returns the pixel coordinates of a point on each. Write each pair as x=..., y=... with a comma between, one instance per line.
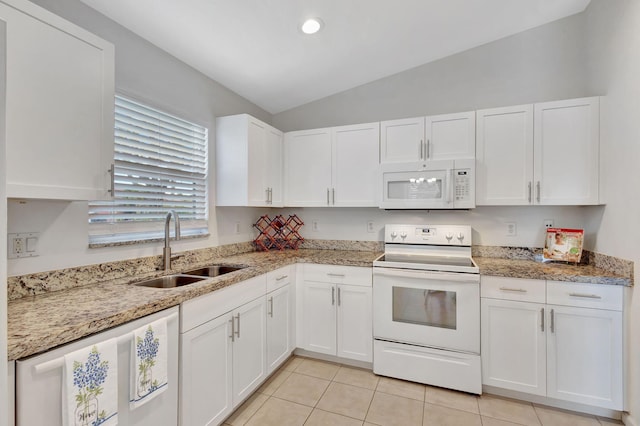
x=160, y=165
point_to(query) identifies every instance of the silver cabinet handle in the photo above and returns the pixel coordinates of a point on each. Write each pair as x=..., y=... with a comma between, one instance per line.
x=238, y=330
x=333, y=196
x=421, y=150
x=333, y=296
x=538, y=191
x=552, y=326
x=270, y=195
x=530, y=191
x=586, y=296
x=282, y=277
x=271, y=306
x=518, y=290
x=428, y=151
x=267, y=195
x=331, y=274
x=327, y=196
x=112, y=173
x=338, y=296
x=542, y=319
x=233, y=328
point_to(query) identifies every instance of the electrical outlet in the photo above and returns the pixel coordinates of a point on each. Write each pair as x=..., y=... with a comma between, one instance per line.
x=370, y=226
x=548, y=223
x=314, y=226
x=512, y=229
x=23, y=245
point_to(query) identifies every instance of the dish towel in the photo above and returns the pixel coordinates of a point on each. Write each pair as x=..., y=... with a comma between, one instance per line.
x=90, y=386
x=148, y=363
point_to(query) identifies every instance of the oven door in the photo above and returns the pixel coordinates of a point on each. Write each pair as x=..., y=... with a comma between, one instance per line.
x=435, y=309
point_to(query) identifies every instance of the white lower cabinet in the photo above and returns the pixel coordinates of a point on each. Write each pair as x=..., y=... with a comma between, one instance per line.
x=39, y=379
x=555, y=339
x=334, y=311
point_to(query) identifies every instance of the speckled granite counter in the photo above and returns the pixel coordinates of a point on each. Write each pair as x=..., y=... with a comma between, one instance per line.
x=521, y=268
x=41, y=322
x=50, y=309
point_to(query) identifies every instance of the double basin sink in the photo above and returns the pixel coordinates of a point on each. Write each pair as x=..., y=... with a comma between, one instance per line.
x=188, y=277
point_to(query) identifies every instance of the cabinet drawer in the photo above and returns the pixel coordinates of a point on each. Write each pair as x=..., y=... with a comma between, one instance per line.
x=280, y=277
x=336, y=274
x=598, y=296
x=521, y=289
x=197, y=311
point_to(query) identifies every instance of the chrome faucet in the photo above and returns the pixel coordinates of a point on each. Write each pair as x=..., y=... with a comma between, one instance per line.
x=166, y=253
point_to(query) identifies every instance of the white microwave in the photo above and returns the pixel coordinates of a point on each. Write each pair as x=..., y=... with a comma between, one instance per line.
x=445, y=184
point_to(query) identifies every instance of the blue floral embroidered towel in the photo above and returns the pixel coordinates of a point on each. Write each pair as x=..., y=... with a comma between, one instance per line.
x=90, y=386
x=149, y=363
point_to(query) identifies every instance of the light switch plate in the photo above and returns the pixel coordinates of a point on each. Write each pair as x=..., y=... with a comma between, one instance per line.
x=24, y=244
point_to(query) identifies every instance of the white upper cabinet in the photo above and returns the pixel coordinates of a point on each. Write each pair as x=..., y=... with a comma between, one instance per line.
x=566, y=151
x=504, y=156
x=402, y=140
x=542, y=154
x=59, y=106
x=438, y=137
x=332, y=167
x=307, y=169
x=248, y=162
x=355, y=165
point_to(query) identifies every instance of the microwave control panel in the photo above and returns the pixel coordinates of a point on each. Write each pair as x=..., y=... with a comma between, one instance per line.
x=462, y=185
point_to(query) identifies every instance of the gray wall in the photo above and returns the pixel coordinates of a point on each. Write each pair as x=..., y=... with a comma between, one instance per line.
x=545, y=63
x=613, y=42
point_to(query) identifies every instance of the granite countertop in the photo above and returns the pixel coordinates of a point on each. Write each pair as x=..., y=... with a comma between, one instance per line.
x=43, y=321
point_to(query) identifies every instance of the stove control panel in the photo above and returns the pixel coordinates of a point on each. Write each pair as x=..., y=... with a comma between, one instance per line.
x=448, y=235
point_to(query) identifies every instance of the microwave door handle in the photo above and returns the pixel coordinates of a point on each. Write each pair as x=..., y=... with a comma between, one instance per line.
x=450, y=199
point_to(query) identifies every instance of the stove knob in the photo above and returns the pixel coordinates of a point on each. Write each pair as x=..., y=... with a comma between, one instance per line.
x=403, y=235
x=460, y=236
x=449, y=236
x=394, y=234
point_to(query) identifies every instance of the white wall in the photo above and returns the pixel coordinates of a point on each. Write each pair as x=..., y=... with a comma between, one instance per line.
x=613, y=38
x=4, y=395
x=544, y=63
x=148, y=74
x=488, y=223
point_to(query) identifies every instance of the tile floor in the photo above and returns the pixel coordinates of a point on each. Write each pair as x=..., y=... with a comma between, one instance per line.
x=311, y=392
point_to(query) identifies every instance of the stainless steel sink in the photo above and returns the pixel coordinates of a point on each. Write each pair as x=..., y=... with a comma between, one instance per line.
x=214, y=270
x=170, y=281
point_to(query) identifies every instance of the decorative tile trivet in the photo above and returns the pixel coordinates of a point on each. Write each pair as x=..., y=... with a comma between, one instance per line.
x=278, y=233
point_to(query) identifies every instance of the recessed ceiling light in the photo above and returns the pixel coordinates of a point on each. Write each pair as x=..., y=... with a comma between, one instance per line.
x=311, y=26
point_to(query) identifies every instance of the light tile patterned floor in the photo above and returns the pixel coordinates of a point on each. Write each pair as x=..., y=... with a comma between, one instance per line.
x=316, y=393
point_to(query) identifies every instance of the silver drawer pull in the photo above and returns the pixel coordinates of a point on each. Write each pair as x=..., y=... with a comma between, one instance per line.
x=282, y=277
x=335, y=275
x=517, y=290
x=542, y=319
x=586, y=296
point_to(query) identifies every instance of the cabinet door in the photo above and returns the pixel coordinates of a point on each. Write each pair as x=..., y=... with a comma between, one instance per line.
x=249, y=351
x=355, y=328
x=59, y=107
x=513, y=345
x=567, y=140
x=451, y=136
x=402, y=140
x=308, y=168
x=11, y=388
x=584, y=349
x=205, y=373
x=355, y=165
x=257, y=162
x=317, y=331
x=274, y=166
x=504, y=156
x=278, y=327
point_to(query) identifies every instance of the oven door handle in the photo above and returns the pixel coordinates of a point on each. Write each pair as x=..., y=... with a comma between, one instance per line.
x=426, y=275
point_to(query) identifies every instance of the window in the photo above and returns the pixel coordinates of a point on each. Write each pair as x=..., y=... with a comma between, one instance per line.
x=160, y=165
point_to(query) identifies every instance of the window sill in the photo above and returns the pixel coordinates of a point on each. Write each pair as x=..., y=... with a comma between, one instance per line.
x=143, y=241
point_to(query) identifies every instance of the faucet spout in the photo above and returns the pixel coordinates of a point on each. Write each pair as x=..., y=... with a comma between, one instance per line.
x=166, y=253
